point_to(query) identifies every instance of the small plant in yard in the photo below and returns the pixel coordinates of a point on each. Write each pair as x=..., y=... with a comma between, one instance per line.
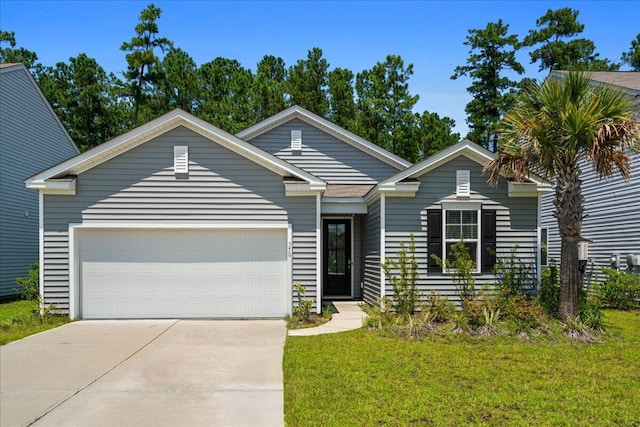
x=513, y=277
x=30, y=284
x=381, y=315
x=302, y=313
x=577, y=330
x=490, y=326
x=460, y=267
x=620, y=290
x=303, y=310
x=439, y=307
x=403, y=275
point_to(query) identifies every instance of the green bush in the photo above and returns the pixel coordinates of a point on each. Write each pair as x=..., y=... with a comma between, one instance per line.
x=549, y=296
x=620, y=290
x=460, y=267
x=439, y=307
x=513, y=277
x=403, y=275
x=303, y=310
x=30, y=284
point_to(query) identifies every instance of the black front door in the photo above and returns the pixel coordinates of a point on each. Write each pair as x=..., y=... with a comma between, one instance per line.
x=336, y=269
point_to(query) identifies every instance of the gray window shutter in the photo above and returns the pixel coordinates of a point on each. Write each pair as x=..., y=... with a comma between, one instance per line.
x=434, y=239
x=488, y=244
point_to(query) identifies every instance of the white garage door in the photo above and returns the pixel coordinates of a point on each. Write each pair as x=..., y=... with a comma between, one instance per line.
x=182, y=273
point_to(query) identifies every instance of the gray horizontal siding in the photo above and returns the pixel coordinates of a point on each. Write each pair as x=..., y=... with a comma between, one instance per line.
x=56, y=269
x=323, y=155
x=612, y=217
x=31, y=140
x=371, y=276
x=516, y=219
x=223, y=187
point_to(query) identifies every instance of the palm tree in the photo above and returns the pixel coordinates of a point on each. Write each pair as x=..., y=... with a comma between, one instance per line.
x=553, y=127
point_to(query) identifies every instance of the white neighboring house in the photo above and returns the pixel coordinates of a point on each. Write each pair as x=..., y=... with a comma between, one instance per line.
x=31, y=139
x=612, y=206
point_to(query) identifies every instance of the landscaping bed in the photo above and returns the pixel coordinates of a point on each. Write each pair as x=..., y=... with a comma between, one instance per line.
x=22, y=318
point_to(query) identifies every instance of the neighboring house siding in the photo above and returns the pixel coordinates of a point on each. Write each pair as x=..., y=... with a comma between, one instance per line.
x=612, y=218
x=31, y=139
x=222, y=188
x=371, y=279
x=516, y=220
x=323, y=155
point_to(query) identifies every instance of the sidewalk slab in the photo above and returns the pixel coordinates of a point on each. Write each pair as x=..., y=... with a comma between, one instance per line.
x=348, y=318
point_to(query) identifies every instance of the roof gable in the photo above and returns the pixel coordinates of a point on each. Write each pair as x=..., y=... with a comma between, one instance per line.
x=465, y=148
x=159, y=126
x=297, y=112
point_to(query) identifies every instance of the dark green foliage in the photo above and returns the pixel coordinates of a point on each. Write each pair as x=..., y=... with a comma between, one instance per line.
x=385, y=106
x=30, y=284
x=620, y=290
x=268, y=94
x=85, y=98
x=307, y=83
x=492, y=53
x=342, y=106
x=180, y=86
x=549, y=296
x=632, y=56
x=144, y=70
x=403, y=274
x=513, y=277
x=554, y=53
x=433, y=133
x=225, y=94
x=20, y=55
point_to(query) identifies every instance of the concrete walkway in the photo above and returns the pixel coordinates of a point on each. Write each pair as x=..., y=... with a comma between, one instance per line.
x=348, y=317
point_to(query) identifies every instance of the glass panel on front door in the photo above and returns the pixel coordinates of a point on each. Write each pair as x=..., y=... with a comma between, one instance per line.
x=336, y=249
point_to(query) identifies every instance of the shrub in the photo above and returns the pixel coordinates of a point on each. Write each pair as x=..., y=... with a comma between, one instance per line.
x=525, y=312
x=620, y=290
x=303, y=310
x=513, y=277
x=549, y=296
x=403, y=274
x=30, y=284
x=460, y=267
x=439, y=307
x=474, y=309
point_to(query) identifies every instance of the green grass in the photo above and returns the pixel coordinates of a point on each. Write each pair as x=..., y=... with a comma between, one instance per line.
x=20, y=319
x=361, y=378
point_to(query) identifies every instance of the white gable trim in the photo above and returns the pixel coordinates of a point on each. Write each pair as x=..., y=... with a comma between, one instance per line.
x=297, y=112
x=161, y=125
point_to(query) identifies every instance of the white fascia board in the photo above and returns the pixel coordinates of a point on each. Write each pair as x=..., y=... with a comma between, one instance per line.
x=325, y=125
x=303, y=188
x=67, y=186
x=526, y=189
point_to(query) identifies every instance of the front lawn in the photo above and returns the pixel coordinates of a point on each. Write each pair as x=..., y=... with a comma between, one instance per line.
x=21, y=318
x=361, y=378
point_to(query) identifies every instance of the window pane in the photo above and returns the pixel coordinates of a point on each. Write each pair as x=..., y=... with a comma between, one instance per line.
x=453, y=232
x=471, y=247
x=469, y=217
x=470, y=232
x=453, y=217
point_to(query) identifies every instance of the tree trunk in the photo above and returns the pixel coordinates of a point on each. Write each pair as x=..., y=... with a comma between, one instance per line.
x=569, y=213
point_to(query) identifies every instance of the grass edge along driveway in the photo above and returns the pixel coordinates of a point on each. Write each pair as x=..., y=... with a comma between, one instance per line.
x=360, y=378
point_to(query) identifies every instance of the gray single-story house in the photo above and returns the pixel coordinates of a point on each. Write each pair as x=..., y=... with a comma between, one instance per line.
x=31, y=139
x=180, y=219
x=611, y=225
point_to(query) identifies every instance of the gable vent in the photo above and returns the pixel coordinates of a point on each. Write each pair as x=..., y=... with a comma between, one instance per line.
x=296, y=140
x=180, y=159
x=463, y=183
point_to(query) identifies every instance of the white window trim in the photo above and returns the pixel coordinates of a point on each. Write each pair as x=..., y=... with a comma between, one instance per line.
x=469, y=206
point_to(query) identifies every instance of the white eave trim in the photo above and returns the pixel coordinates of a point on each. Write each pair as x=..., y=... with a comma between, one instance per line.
x=297, y=112
x=527, y=189
x=303, y=188
x=344, y=205
x=54, y=186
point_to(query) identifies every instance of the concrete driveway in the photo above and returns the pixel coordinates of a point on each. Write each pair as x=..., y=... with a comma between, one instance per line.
x=145, y=373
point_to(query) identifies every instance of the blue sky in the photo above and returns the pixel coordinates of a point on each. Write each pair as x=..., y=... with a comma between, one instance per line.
x=353, y=35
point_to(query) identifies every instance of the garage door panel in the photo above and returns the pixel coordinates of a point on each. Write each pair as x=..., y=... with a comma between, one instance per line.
x=183, y=273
